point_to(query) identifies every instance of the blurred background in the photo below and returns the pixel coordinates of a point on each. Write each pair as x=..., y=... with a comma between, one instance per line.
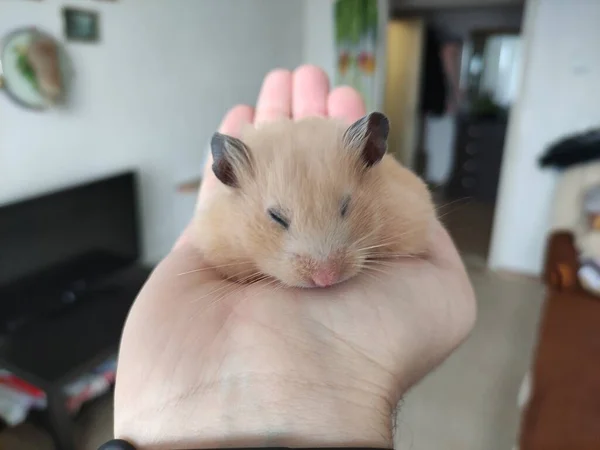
x=106, y=109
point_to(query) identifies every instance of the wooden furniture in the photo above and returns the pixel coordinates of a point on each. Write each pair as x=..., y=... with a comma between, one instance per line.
x=190, y=187
x=55, y=349
x=563, y=411
x=478, y=153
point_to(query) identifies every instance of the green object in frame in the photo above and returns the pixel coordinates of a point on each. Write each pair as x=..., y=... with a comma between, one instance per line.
x=24, y=66
x=356, y=36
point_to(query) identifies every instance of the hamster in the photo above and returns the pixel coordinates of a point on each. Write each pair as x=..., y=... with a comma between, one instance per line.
x=310, y=203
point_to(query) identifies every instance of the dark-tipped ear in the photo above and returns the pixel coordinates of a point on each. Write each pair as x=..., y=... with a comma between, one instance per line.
x=368, y=136
x=230, y=158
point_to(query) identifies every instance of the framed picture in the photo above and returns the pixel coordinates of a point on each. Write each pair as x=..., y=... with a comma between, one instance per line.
x=81, y=25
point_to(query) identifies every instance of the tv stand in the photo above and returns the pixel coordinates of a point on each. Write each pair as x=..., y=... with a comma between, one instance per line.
x=51, y=351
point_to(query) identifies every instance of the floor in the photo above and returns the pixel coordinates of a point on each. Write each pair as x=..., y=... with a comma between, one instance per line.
x=470, y=223
x=469, y=403
x=472, y=232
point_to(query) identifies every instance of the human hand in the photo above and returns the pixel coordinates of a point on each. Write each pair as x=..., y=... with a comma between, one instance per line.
x=206, y=362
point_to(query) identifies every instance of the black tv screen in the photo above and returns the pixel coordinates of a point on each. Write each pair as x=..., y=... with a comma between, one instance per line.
x=80, y=232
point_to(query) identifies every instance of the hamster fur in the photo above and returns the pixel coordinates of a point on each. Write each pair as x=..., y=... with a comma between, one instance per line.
x=310, y=203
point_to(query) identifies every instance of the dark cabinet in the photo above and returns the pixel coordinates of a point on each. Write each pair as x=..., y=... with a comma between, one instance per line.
x=477, y=158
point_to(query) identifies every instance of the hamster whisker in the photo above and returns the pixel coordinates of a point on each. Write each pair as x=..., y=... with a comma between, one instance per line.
x=363, y=249
x=358, y=241
x=217, y=300
x=383, y=244
x=360, y=265
x=442, y=214
x=211, y=303
x=363, y=271
x=213, y=267
x=235, y=288
x=453, y=203
x=379, y=264
x=270, y=282
x=387, y=260
x=258, y=281
x=391, y=256
x=382, y=263
x=222, y=286
x=397, y=239
x=392, y=240
x=376, y=269
x=225, y=284
x=249, y=279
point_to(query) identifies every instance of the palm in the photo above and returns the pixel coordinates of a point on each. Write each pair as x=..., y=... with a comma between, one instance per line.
x=377, y=323
x=384, y=328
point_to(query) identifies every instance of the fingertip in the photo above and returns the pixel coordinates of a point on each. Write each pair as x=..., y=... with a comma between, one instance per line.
x=275, y=97
x=277, y=74
x=310, y=91
x=235, y=119
x=312, y=71
x=346, y=103
x=242, y=109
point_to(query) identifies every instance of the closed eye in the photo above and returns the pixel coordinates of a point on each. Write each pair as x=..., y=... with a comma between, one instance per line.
x=345, y=206
x=276, y=216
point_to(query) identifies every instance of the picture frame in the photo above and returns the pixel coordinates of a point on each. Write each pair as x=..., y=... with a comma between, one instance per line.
x=81, y=25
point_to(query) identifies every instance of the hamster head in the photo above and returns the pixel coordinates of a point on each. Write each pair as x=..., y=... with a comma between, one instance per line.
x=301, y=197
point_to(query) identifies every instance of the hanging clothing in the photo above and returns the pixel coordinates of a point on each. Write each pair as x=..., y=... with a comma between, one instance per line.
x=433, y=82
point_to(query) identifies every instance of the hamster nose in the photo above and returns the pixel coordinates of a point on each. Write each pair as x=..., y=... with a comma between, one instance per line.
x=326, y=274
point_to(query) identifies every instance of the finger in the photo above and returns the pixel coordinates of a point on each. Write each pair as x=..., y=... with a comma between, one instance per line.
x=309, y=92
x=346, y=103
x=275, y=98
x=235, y=119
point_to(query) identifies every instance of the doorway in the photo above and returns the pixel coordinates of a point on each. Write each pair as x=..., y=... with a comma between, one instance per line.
x=454, y=107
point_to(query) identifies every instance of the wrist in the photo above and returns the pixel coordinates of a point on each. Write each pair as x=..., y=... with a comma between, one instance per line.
x=245, y=412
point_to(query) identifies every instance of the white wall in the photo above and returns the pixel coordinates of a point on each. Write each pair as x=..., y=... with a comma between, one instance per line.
x=147, y=97
x=557, y=97
x=319, y=34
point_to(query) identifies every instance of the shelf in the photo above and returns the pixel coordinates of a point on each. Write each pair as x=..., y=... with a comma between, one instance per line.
x=190, y=187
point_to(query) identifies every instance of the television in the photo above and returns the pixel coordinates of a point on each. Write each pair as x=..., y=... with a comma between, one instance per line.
x=60, y=243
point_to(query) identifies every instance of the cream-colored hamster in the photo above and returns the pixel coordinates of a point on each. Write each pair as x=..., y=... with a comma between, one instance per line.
x=310, y=202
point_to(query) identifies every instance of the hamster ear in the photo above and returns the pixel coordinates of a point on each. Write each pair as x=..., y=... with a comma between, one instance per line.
x=230, y=158
x=369, y=137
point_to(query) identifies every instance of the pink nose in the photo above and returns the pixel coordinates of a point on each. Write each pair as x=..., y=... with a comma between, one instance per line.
x=325, y=275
